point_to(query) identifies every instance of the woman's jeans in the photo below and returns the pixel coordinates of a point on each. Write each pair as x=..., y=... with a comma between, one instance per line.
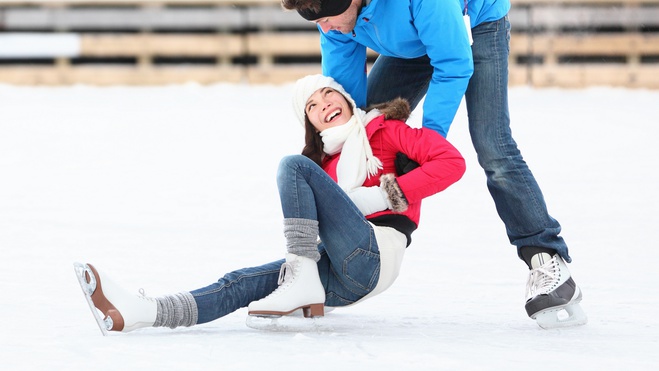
x=517, y=196
x=349, y=265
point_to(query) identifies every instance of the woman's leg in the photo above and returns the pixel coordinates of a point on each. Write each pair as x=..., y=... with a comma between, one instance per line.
x=349, y=264
x=349, y=257
x=350, y=260
x=236, y=290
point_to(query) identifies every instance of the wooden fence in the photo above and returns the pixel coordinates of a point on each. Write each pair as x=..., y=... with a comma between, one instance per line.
x=573, y=43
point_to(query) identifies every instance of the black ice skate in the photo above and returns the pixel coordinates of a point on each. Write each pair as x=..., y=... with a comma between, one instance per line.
x=552, y=296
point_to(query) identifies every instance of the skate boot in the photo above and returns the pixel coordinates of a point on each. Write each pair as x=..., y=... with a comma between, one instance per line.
x=552, y=296
x=299, y=288
x=114, y=308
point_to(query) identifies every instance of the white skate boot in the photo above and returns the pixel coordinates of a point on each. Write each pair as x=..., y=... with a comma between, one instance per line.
x=552, y=296
x=119, y=309
x=299, y=288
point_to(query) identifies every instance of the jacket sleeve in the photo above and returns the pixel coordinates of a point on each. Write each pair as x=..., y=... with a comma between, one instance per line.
x=441, y=164
x=442, y=30
x=345, y=60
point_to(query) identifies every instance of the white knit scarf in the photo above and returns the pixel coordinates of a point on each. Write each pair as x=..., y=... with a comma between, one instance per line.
x=357, y=159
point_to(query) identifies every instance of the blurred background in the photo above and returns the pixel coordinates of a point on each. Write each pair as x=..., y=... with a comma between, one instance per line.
x=555, y=43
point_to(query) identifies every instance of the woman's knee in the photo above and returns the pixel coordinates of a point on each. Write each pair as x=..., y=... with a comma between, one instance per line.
x=291, y=162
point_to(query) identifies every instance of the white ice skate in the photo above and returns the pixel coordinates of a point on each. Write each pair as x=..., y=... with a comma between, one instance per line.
x=114, y=308
x=552, y=296
x=299, y=288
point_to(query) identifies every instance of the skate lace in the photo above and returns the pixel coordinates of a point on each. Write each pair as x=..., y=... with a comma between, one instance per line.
x=543, y=279
x=286, y=276
x=142, y=295
x=285, y=273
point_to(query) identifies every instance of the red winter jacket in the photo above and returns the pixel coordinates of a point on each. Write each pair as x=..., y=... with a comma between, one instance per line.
x=441, y=166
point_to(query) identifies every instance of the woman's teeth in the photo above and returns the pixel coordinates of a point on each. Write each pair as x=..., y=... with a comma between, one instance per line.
x=331, y=116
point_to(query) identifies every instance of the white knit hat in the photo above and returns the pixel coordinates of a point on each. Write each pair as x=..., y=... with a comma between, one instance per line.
x=306, y=86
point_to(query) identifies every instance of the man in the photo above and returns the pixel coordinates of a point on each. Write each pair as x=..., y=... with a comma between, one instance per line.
x=426, y=49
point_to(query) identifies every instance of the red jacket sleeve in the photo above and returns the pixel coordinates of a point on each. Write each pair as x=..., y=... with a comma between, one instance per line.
x=441, y=163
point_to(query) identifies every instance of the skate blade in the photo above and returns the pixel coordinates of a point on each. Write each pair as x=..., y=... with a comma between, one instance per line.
x=290, y=323
x=568, y=316
x=309, y=311
x=87, y=282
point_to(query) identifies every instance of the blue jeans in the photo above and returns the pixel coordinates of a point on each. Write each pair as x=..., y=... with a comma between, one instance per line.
x=517, y=196
x=349, y=265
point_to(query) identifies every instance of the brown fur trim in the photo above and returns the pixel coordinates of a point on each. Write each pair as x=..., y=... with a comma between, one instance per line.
x=394, y=193
x=396, y=109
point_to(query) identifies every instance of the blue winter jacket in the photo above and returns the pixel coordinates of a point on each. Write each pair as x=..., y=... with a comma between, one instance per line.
x=411, y=29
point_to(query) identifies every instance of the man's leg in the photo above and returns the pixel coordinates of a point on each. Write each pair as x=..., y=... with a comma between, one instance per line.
x=517, y=196
x=391, y=78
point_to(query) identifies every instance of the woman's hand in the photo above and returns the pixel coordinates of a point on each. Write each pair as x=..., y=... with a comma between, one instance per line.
x=370, y=200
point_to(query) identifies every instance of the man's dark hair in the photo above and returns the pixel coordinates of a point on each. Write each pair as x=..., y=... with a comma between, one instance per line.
x=313, y=5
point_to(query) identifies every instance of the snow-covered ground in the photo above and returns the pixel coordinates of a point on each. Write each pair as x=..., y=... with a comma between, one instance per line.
x=170, y=187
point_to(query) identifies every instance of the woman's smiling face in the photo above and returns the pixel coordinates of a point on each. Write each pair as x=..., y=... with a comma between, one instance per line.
x=327, y=108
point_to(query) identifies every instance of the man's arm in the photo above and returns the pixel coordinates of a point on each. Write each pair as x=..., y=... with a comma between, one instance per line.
x=345, y=61
x=442, y=30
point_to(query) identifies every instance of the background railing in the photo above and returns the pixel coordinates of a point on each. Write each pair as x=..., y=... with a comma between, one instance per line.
x=573, y=43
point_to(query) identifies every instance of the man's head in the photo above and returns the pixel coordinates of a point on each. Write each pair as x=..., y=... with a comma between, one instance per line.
x=338, y=15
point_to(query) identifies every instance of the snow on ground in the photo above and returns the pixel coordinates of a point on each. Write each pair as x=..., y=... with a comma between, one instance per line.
x=170, y=187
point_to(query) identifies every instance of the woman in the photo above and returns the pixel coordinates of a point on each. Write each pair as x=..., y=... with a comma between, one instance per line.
x=344, y=189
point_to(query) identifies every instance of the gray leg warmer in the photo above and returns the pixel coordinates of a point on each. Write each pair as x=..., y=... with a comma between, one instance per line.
x=302, y=237
x=176, y=310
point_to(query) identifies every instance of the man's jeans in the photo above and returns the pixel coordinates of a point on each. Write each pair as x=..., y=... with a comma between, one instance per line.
x=349, y=266
x=517, y=196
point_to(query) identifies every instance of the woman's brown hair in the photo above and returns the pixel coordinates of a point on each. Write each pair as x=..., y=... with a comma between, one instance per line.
x=313, y=143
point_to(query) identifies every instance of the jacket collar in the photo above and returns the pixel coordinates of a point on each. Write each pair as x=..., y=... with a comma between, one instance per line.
x=374, y=125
